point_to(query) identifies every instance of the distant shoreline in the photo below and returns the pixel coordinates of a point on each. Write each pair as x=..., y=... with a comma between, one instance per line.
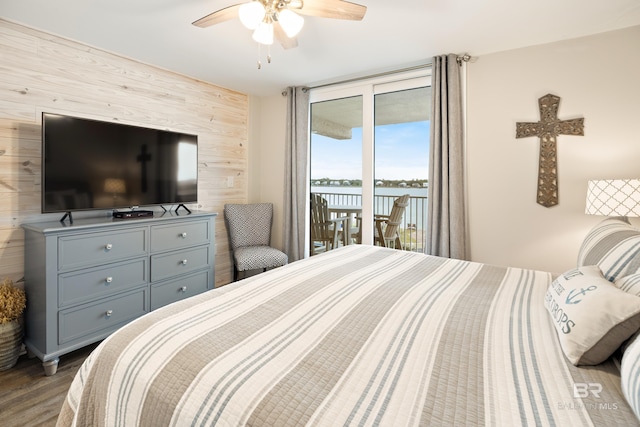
x=396, y=183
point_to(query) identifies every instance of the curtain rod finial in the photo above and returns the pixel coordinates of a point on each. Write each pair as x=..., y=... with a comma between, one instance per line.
x=286, y=91
x=463, y=58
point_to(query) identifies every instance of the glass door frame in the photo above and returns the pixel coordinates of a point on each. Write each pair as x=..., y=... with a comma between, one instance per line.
x=367, y=89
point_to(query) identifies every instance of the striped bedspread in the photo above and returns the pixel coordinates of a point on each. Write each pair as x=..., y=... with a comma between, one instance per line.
x=359, y=336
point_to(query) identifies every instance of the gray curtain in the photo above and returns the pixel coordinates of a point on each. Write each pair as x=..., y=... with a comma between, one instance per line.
x=446, y=226
x=295, y=174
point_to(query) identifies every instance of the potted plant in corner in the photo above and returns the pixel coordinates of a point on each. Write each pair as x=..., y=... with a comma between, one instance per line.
x=12, y=304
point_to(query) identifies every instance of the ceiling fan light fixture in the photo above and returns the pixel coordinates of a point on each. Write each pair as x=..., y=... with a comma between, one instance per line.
x=259, y=16
x=251, y=14
x=290, y=22
x=264, y=33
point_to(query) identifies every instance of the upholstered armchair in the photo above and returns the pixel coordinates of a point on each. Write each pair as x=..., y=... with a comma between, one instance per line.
x=249, y=227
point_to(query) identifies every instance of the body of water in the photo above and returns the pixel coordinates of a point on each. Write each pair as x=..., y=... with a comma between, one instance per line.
x=379, y=191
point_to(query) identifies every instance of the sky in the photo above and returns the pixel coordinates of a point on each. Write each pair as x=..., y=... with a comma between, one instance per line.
x=401, y=153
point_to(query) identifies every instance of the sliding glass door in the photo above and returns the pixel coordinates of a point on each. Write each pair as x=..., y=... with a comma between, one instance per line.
x=336, y=146
x=401, y=147
x=336, y=172
x=369, y=146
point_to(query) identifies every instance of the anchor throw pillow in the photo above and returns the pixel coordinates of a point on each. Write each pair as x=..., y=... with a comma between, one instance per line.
x=591, y=315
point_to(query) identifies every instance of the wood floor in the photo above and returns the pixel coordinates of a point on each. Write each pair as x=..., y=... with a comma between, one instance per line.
x=29, y=398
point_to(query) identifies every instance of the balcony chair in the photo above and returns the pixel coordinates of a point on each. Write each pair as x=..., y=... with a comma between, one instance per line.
x=386, y=232
x=249, y=227
x=324, y=229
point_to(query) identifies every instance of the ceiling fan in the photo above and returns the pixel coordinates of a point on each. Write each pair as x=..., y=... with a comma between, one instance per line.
x=281, y=18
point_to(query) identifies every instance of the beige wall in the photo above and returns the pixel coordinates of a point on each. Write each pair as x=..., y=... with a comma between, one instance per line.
x=41, y=72
x=596, y=78
x=266, y=157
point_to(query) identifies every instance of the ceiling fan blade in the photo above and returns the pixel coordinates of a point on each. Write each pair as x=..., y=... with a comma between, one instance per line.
x=218, y=16
x=286, y=41
x=336, y=9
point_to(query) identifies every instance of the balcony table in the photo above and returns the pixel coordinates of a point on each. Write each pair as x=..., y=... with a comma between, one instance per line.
x=349, y=211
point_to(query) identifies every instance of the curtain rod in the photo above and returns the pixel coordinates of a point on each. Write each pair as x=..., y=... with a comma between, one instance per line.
x=372, y=76
x=460, y=59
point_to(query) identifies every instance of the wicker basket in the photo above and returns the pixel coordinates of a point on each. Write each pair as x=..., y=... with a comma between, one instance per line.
x=10, y=343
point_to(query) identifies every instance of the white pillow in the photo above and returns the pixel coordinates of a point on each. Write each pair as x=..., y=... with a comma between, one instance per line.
x=591, y=315
x=630, y=283
x=614, y=246
x=630, y=375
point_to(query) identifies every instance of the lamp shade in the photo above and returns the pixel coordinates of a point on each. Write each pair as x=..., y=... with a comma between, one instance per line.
x=115, y=185
x=251, y=14
x=617, y=197
x=290, y=22
x=264, y=33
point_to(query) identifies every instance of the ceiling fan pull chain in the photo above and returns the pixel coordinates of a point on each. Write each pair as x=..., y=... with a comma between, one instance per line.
x=268, y=54
x=259, y=63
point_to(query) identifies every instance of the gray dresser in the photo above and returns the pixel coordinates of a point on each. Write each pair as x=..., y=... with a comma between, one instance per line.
x=83, y=281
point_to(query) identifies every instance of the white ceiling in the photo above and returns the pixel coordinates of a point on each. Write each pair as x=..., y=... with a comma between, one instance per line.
x=393, y=34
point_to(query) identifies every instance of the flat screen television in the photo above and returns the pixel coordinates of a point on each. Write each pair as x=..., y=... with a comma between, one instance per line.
x=90, y=164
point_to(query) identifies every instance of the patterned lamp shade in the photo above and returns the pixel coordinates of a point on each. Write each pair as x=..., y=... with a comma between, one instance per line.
x=617, y=197
x=115, y=186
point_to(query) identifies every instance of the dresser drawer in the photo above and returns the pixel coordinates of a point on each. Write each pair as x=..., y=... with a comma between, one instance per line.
x=178, y=263
x=176, y=236
x=178, y=289
x=101, y=317
x=101, y=248
x=84, y=285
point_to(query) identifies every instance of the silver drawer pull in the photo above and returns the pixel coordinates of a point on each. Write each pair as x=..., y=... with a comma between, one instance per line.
x=109, y=279
x=108, y=246
x=109, y=313
x=183, y=289
x=183, y=235
x=184, y=262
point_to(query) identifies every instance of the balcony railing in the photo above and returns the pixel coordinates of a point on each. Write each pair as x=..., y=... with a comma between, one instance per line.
x=413, y=226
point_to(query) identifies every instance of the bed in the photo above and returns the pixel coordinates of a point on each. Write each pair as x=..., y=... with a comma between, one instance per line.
x=369, y=336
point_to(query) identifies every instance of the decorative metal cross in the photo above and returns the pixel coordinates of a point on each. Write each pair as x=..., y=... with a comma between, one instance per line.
x=547, y=129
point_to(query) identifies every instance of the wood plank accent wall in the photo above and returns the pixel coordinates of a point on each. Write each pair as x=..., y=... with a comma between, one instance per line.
x=41, y=72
